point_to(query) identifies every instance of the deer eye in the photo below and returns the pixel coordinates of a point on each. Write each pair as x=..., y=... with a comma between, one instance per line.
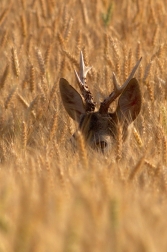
x=101, y=145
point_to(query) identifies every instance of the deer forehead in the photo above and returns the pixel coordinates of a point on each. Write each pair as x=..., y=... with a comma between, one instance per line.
x=96, y=122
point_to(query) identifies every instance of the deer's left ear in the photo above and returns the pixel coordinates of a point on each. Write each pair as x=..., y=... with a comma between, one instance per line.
x=129, y=103
x=72, y=100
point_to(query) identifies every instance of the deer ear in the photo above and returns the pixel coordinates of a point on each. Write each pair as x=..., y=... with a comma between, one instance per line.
x=129, y=103
x=72, y=100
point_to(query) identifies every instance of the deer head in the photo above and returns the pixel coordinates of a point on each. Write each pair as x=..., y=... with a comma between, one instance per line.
x=99, y=128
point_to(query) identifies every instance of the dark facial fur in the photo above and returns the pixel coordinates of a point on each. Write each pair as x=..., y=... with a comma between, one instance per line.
x=99, y=130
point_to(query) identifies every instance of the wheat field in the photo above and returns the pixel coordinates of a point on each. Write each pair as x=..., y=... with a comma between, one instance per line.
x=53, y=198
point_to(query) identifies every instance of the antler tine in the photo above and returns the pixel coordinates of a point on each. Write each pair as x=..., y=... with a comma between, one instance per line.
x=83, y=69
x=117, y=90
x=90, y=104
x=131, y=74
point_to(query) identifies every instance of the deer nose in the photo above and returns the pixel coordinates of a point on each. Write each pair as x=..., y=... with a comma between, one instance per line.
x=101, y=145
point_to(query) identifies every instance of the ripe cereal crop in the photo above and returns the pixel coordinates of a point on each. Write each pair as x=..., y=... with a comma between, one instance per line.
x=60, y=196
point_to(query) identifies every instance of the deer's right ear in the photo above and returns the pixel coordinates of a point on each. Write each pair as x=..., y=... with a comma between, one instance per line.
x=129, y=103
x=72, y=100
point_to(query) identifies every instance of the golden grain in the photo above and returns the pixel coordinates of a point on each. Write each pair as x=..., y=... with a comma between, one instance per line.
x=40, y=61
x=106, y=44
x=23, y=101
x=72, y=58
x=138, y=50
x=147, y=71
x=79, y=40
x=68, y=29
x=126, y=68
x=57, y=195
x=53, y=91
x=164, y=150
x=32, y=78
x=23, y=4
x=137, y=137
x=53, y=126
x=137, y=168
x=152, y=14
x=24, y=135
x=149, y=164
x=15, y=63
x=84, y=12
x=158, y=135
x=150, y=88
x=82, y=150
x=47, y=55
x=160, y=65
x=4, y=76
x=3, y=15
x=4, y=38
x=119, y=143
x=43, y=8
x=155, y=36
x=61, y=40
x=10, y=98
x=23, y=25
x=143, y=126
x=34, y=103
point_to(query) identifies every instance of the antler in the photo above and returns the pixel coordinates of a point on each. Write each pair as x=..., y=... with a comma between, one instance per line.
x=117, y=90
x=90, y=104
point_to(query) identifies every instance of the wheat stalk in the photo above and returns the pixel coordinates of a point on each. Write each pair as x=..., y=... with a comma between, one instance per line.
x=82, y=150
x=4, y=76
x=4, y=38
x=15, y=63
x=23, y=25
x=138, y=167
x=3, y=15
x=10, y=98
x=137, y=137
x=53, y=126
x=24, y=135
x=119, y=143
x=23, y=101
x=40, y=61
x=32, y=78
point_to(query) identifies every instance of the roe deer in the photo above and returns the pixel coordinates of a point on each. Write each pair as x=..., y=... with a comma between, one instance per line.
x=100, y=128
